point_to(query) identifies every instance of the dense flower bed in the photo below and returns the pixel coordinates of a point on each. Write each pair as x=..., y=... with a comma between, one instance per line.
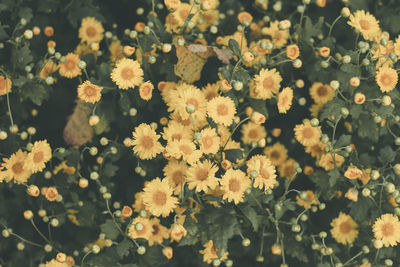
x=199, y=132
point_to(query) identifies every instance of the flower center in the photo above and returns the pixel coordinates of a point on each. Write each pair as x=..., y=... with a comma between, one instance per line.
x=176, y=136
x=160, y=198
x=386, y=80
x=253, y=134
x=18, y=167
x=193, y=101
x=177, y=177
x=275, y=155
x=186, y=149
x=207, y=142
x=321, y=91
x=202, y=174
x=387, y=229
x=156, y=229
x=38, y=157
x=91, y=31
x=146, y=142
x=345, y=227
x=268, y=82
x=90, y=91
x=264, y=173
x=308, y=133
x=70, y=64
x=127, y=73
x=365, y=25
x=234, y=185
x=222, y=110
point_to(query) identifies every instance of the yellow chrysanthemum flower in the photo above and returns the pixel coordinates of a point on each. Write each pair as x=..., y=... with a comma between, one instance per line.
x=279, y=37
x=387, y=79
x=308, y=201
x=89, y=92
x=387, y=229
x=145, y=143
x=221, y=109
x=321, y=93
x=344, y=229
x=285, y=99
x=287, y=169
x=277, y=153
x=91, y=30
x=234, y=183
x=263, y=170
x=5, y=85
x=306, y=134
x=158, y=198
x=326, y=161
x=268, y=83
x=177, y=131
x=69, y=68
x=209, y=142
x=211, y=90
x=15, y=167
x=140, y=228
x=48, y=68
x=210, y=253
x=127, y=73
x=174, y=174
x=38, y=157
x=55, y=263
x=201, y=176
x=366, y=24
x=158, y=232
x=184, y=149
x=316, y=150
x=252, y=132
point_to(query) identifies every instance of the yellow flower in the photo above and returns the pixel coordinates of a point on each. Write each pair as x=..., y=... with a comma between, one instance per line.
x=326, y=161
x=387, y=229
x=167, y=252
x=316, y=150
x=49, y=67
x=286, y=169
x=279, y=37
x=201, y=176
x=292, y=51
x=211, y=90
x=177, y=131
x=89, y=92
x=267, y=84
x=5, y=85
x=146, y=91
x=210, y=253
x=186, y=95
x=277, y=153
x=306, y=134
x=158, y=232
x=116, y=51
x=221, y=109
x=55, y=263
x=353, y=173
x=91, y=30
x=309, y=200
x=127, y=73
x=69, y=68
x=352, y=194
x=209, y=142
x=234, y=183
x=365, y=23
x=145, y=143
x=252, y=132
x=173, y=173
x=387, y=79
x=265, y=172
x=344, y=229
x=39, y=155
x=158, y=197
x=321, y=93
x=177, y=232
x=140, y=228
x=285, y=99
x=184, y=149
x=16, y=167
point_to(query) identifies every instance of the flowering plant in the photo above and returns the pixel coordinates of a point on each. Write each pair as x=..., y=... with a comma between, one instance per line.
x=199, y=132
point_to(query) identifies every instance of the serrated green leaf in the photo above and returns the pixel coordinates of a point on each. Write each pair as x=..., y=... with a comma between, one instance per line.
x=3, y=33
x=110, y=229
x=109, y=170
x=343, y=140
x=234, y=154
x=252, y=216
x=259, y=105
x=386, y=155
x=35, y=92
x=123, y=247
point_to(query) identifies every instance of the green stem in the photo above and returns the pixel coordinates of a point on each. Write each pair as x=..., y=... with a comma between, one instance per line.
x=334, y=22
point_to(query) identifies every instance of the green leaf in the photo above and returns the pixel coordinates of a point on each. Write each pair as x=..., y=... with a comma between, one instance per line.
x=23, y=57
x=26, y=13
x=386, y=155
x=234, y=46
x=109, y=170
x=352, y=69
x=343, y=140
x=367, y=128
x=259, y=106
x=234, y=154
x=3, y=34
x=123, y=247
x=35, y=92
x=252, y=216
x=334, y=175
x=109, y=229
